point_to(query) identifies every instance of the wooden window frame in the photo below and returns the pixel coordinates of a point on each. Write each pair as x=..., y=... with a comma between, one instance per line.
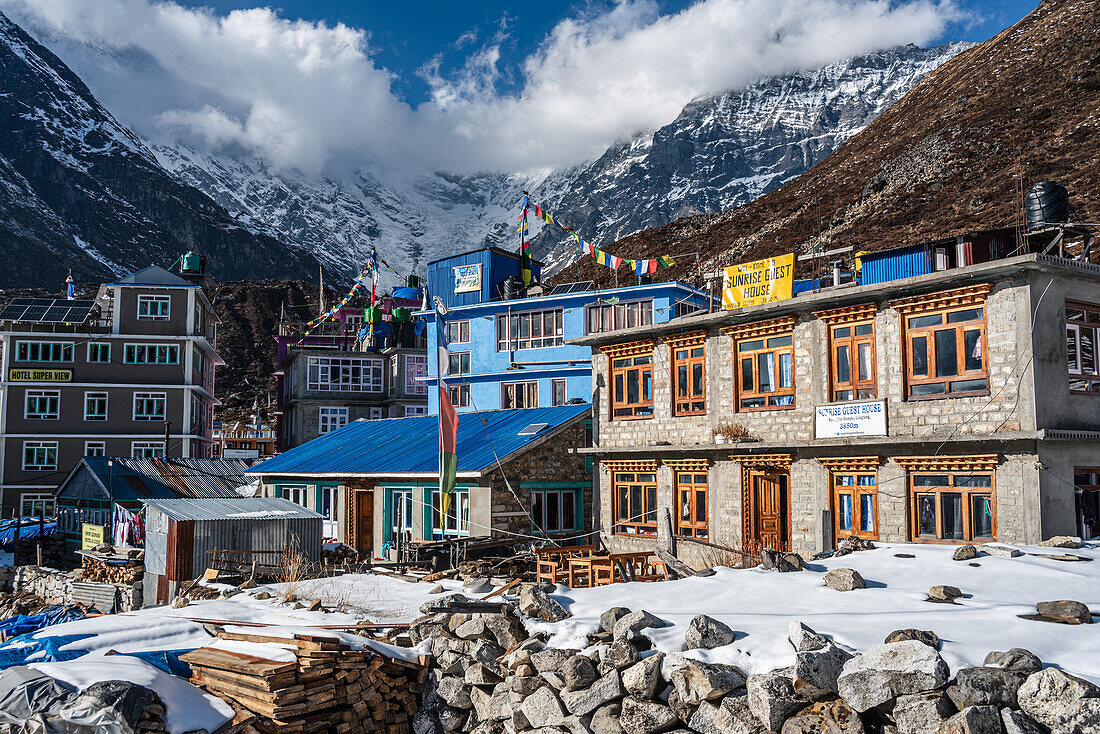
x=944, y=305
x=851, y=319
x=685, y=476
x=648, y=489
x=531, y=394
x=857, y=491
x=510, y=328
x=764, y=332
x=458, y=332
x=1082, y=381
x=954, y=468
x=600, y=318
x=685, y=401
x=554, y=384
x=624, y=360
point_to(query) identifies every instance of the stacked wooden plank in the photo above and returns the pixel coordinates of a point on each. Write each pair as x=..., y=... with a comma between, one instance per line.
x=328, y=687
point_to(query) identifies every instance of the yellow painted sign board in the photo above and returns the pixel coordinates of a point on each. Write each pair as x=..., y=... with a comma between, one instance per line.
x=40, y=375
x=761, y=281
x=91, y=536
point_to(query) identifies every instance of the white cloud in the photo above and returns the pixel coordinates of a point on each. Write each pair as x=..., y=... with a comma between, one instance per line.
x=310, y=95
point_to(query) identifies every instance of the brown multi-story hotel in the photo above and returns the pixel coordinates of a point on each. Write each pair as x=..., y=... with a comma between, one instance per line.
x=130, y=373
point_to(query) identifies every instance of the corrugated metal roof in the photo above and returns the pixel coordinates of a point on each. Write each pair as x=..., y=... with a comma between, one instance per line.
x=142, y=479
x=397, y=446
x=241, y=508
x=154, y=275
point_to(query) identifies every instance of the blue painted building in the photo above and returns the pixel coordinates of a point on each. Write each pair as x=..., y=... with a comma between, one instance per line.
x=510, y=353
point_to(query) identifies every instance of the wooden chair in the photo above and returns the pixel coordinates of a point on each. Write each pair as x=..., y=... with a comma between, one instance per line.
x=552, y=564
x=644, y=566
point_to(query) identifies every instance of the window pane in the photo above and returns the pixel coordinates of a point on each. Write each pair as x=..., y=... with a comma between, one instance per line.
x=651, y=507
x=700, y=506
x=647, y=385
x=746, y=374
x=919, y=354
x=972, y=341
x=926, y=514
x=975, y=480
x=780, y=341
x=553, y=511
x=968, y=385
x=682, y=380
x=936, y=388
x=685, y=505
x=970, y=314
x=623, y=510
x=842, y=332
x=844, y=511
x=931, y=480
x=786, y=378
x=1088, y=351
x=1071, y=348
x=618, y=388
x=865, y=370
x=635, y=502
x=753, y=345
x=981, y=516
x=867, y=513
x=864, y=329
x=843, y=364
x=697, y=379
x=917, y=322
x=568, y=509
x=845, y=480
x=947, y=360
x=951, y=510
x=632, y=386
x=766, y=372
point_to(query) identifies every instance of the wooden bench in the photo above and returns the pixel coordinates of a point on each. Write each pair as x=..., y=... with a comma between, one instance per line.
x=627, y=567
x=552, y=564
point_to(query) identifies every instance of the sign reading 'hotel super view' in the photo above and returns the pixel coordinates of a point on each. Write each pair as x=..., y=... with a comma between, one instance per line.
x=761, y=281
x=40, y=375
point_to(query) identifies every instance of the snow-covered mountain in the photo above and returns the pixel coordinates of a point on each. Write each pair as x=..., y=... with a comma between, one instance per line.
x=720, y=152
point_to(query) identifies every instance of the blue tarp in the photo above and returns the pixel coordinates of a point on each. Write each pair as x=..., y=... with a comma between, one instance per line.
x=44, y=650
x=21, y=624
x=29, y=531
x=167, y=660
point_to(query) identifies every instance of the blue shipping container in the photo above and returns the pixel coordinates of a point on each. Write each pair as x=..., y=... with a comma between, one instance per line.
x=904, y=262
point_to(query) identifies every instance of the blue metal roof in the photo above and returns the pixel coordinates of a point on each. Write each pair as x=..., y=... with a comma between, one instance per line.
x=396, y=446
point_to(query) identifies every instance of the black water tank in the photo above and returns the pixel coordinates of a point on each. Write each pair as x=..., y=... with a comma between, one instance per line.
x=513, y=288
x=1046, y=203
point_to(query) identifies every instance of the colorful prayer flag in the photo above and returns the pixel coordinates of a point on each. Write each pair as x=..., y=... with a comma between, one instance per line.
x=448, y=422
x=665, y=261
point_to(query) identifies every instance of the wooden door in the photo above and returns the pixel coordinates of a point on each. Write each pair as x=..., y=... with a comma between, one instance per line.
x=770, y=515
x=364, y=524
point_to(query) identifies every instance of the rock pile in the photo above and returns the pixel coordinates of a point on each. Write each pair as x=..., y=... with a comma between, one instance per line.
x=488, y=676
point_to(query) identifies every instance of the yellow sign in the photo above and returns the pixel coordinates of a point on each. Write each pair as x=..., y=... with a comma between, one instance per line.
x=40, y=375
x=761, y=281
x=91, y=536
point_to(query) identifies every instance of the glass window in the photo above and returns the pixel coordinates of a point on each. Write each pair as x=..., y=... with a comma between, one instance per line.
x=603, y=317
x=149, y=406
x=455, y=522
x=558, y=389
x=95, y=406
x=458, y=363
x=554, y=510
x=98, y=352
x=855, y=502
x=330, y=418
x=632, y=387
x=42, y=404
x=766, y=377
x=691, y=504
x=151, y=354
x=296, y=493
x=952, y=507
x=40, y=455
x=95, y=448
x=146, y=449
x=458, y=332
x=1082, y=338
x=519, y=395
x=345, y=374
x=460, y=395
x=946, y=353
x=401, y=514
x=853, y=362
x=635, y=508
x=37, y=504
x=689, y=380
x=154, y=308
x=530, y=330
x=44, y=352
x=416, y=372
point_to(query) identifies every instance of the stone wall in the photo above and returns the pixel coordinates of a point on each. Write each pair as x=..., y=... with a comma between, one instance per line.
x=56, y=587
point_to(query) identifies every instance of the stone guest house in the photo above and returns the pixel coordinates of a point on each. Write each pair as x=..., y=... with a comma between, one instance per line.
x=952, y=407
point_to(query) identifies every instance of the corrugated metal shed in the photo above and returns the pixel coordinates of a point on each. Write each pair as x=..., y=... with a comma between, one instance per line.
x=496, y=266
x=398, y=446
x=241, y=508
x=902, y=262
x=134, y=480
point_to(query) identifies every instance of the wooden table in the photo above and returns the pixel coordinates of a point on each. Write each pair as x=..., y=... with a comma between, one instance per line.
x=581, y=569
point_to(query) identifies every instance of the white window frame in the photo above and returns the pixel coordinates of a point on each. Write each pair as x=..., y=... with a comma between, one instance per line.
x=23, y=351
x=154, y=314
x=459, y=525
x=37, y=396
x=46, y=447
x=401, y=521
x=540, y=516
x=330, y=418
x=96, y=395
x=463, y=359
x=509, y=330
x=330, y=523
x=554, y=391
x=411, y=410
x=374, y=412
x=48, y=501
x=296, y=493
x=100, y=446
x=416, y=372
x=148, y=449
x=162, y=398
x=394, y=372
x=528, y=387
x=99, y=347
x=462, y=328
x=353, y=374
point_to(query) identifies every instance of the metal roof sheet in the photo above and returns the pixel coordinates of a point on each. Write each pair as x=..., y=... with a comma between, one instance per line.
x=395, y=446
x=241, y=508
x=154, y=275
x=142, y=479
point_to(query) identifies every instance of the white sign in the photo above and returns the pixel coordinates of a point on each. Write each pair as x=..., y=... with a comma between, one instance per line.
x=850, y=419
x=240, y=453
x=468, y=278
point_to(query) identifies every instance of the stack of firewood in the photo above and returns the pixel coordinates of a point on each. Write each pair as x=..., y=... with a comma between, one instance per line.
x=328, y=688
x=338, y=553
x=127, y=572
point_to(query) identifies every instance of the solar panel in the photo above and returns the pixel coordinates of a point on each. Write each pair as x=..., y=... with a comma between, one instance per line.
x=49, y=311
x=533, y=429
x=55, y=314
x=580, y=286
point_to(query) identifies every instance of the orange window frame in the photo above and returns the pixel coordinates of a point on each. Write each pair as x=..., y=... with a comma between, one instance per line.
x=691, y=504
x=855, y=485
x=851, y=347
x=926, y=337
x=778, y=348
x=689, y=379
x=634, y=502
x=929, y=515
x=627, y=370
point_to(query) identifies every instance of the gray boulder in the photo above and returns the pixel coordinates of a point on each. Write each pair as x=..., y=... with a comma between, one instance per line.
x=1064, y=611
x=439, y=603
x=922, y=713
x=578, y=672
x=986, y=687
x=605, y=720
x=844, y=579
x=884, y=672
x=646, y=717
x=825, y=717
x=454, y=692
x=1061, y=541
x=643, y=678
x=803, y=638
x=1018, y=659
x=481, y=675
x=611, y=616
x=452, y=719
x=781, y=562
x=553, y=660
x=926, y=637
x=1057, y=700
x=534, y=602
x=965, y=553
x=506, y=629
x=697, y=682
x=816, y=672
x=620, y=654
x=542, y=708
x=942, y=592
x=586, y=700
x=707, y=633
x=1017, y=722
x=629, y=625
x=729, y=716
x=683, y=710
x=772, y=698
x=1000, y=550
x=974, y=720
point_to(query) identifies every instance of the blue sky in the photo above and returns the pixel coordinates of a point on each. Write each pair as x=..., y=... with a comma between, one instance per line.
x=406, y=35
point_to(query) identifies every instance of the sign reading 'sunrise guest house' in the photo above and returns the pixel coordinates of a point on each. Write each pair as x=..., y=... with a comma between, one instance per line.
x=850, y=419
x=761, y=281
